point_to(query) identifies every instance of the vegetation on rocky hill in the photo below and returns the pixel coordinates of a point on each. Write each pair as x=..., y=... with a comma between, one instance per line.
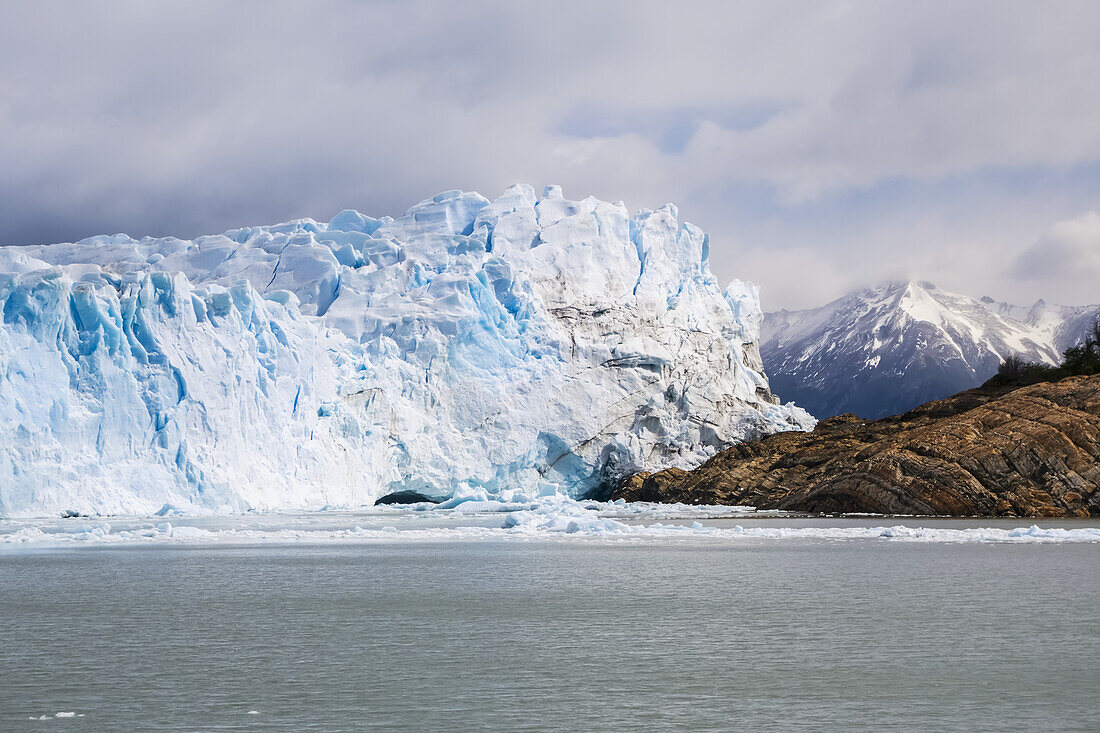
x=1084, y=358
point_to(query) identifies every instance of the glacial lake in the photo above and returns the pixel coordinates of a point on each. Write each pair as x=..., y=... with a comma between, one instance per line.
x=677, y=629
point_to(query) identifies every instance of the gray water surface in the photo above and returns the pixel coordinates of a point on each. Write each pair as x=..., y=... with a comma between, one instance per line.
x=789, y=635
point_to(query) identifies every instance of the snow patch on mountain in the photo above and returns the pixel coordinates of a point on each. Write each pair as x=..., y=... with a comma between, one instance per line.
x=529, y=344
x=1062, y=326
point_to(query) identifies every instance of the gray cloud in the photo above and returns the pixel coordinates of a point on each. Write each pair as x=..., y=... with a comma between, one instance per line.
x=824, y=145
x=1065, y=260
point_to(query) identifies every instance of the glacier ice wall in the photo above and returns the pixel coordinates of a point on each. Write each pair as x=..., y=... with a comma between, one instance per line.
x=525, y=345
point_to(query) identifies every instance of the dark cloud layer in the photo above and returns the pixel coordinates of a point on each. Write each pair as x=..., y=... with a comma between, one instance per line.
x=824, y=145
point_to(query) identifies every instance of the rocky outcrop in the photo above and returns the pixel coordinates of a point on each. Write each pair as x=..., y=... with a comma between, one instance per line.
x=405, y=497
x=1032, y=451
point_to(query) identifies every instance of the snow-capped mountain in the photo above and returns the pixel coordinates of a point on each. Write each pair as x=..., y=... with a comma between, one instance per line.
x=1062, y=325
x=882, y=351
x=521, y=346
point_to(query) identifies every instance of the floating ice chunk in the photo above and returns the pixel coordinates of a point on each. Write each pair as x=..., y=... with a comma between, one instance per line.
x=182, y=532
x=564, y=517
x=549, y=518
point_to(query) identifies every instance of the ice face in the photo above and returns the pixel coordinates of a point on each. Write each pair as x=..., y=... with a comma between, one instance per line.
x=522, y=346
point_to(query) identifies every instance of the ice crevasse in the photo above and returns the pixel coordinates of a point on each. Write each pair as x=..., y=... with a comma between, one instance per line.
x=523, y=346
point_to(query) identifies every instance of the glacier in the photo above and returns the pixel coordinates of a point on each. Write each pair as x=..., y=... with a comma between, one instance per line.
x=526, y=346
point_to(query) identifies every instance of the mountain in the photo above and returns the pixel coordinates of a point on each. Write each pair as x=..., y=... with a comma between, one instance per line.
x=1062, y=325
x=505, y=348
x=882, y=351
x=1031, y=451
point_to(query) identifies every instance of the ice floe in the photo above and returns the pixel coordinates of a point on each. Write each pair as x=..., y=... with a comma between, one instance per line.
x=552, y=518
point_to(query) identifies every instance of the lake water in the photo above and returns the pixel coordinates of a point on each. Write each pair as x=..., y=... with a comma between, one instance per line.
x=687, y=632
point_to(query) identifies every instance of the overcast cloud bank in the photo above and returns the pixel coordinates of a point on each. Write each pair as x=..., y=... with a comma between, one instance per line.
x=823, y=145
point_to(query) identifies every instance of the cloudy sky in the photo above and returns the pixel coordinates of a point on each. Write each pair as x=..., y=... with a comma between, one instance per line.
x=824, y=145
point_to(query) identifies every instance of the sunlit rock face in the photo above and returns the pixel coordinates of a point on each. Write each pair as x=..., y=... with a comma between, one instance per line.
x=520, y=346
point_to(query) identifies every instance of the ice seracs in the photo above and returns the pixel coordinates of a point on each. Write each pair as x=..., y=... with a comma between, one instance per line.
x=527, y=345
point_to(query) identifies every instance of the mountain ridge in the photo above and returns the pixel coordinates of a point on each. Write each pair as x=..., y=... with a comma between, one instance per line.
x=880, y=351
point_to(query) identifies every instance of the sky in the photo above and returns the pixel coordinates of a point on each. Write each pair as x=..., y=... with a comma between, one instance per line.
x=824, y=146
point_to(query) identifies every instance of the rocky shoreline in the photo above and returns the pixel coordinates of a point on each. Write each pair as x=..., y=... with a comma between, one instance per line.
x=992, y=451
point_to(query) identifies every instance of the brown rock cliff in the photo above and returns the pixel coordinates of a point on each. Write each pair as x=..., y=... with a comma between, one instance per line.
x=1032, y=451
